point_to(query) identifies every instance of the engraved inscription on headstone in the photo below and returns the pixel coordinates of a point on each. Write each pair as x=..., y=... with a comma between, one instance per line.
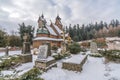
x=43, y=52
x=93, y=47
x=49, y=48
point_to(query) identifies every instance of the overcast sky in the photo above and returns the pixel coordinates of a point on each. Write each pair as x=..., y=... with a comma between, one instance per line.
x=13, y=12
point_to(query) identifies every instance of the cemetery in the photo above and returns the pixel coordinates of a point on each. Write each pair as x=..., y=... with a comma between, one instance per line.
x=51, y=62
x=36, y=44
x=44, y=64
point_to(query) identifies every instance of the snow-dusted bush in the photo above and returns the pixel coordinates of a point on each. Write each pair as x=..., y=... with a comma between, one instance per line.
x=31, y=75
x=95, y=55
x=60, y=56
x=9, y=62
x=74, y=48
x=55, y=48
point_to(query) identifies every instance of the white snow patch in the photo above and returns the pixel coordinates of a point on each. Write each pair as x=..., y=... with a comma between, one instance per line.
x=10, y=53
x=24, y=68
x=47, y=38
x=47, y=59
x=7, y=72
x=75, y=59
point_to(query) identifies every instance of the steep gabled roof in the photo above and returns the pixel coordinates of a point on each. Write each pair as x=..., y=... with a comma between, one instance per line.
x=51, y=30
x=58, y=29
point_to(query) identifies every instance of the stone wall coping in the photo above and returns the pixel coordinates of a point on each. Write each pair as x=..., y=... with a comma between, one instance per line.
x=46, y=59
x=77, y=59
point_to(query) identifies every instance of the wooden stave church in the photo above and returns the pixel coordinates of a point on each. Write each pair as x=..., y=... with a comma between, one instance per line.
x=48, y=33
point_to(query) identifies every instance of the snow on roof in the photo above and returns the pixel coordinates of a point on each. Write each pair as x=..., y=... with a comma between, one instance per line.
x=58, y=29
x=75, y=59
x=50, y=30
x=47, y=38
x=66, y=35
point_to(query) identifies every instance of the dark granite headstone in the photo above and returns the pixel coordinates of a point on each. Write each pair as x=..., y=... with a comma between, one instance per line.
x=7, y=51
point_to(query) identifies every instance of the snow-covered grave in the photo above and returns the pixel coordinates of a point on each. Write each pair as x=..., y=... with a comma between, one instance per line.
x=74, y=63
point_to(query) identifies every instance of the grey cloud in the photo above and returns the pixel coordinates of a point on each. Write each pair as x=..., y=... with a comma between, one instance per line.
x=71, y=11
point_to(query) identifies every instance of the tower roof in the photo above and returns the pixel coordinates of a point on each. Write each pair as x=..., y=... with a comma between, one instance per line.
x=42, y=15
x=41, y=18
x=58, y=17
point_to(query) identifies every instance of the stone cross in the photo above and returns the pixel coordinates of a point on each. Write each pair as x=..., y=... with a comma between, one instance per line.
x=25, y=37
x=26, y=44
x=93, y=47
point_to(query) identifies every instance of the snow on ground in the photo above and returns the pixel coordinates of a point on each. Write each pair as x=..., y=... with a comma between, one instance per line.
x=24, y=68
x=20, y=70
x=93, y=69
x=7, y=72
x=10, y=53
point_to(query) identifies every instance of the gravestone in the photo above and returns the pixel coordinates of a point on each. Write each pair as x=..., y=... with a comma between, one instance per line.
x=7, y=51
x=26, y=53
x=93, y=47
x=49, y=48
x=43, y=50
x=44, y=61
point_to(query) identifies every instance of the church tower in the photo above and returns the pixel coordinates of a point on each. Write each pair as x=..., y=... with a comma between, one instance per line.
x=58, y=22
x=42, y=30
x=41, y=21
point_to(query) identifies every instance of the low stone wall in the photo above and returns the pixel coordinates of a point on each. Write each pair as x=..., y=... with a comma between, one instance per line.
x=74, y=66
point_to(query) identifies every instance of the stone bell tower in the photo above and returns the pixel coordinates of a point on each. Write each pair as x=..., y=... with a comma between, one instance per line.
x=41, y=21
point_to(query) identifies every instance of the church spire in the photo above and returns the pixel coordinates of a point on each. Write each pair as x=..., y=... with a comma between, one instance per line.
x=58, y=17
x=41, y=21
x=58, y=21
x=42, y=15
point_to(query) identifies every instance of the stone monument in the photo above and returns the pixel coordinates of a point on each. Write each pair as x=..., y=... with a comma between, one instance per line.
x=26, y=53
x=26, y=44
x=44, y=61
x=63, y=46
x=93, y=47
